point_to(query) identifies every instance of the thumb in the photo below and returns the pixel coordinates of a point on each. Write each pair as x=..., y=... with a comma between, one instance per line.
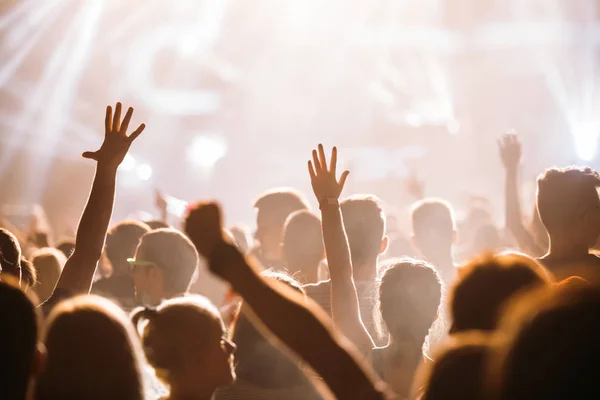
x=92, y=155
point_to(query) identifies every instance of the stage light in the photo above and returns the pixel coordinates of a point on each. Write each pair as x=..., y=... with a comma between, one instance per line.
x=206, y=150
x=144, y=171
x=585, y=136
x=128, y=163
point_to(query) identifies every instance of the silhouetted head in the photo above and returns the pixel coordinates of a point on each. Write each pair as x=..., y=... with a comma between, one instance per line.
x=568, y=204
x=259, y=362
x=20, y=357
x=10, y=254
x=303, y=247
x=28, y=275
x=486, y=284
x=552, y=350
x=459, y=369
x=186, y=343
x=364, y=221
x=121, y=242
x=48, y=263
x=157, y=224
x=433, y=228
x=487, y=238
x=93, y=352
x=273, y=208
x=409, y=298
x=67, y=247
x=164, y=266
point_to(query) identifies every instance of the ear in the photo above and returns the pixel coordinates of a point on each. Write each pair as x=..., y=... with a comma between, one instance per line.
x=384, y=244
x=39, y=360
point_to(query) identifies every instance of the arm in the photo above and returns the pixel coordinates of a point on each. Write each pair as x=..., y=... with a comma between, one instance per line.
x=286, y=314
x=78, y=273
x=161, y=205
x=510, y=153
x=345, y=307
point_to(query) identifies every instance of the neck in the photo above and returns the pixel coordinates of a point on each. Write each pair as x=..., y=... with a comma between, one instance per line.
x=563, y=247
x=366, y=271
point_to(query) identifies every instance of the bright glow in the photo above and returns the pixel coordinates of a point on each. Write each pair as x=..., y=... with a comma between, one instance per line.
x=453, y=126
x=144, y=172
x=586, y=140
x=205, y=151
x=128, y=163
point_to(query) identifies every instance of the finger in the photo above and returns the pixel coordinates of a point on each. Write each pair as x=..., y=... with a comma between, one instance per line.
x=333, y=165
x=137, y=132
x=316, y=161
x=117, y=118
x=126, y=120
x=92, y=155
x=342, y=181
x=108, y=119
x=322, y=157
x=311, y=171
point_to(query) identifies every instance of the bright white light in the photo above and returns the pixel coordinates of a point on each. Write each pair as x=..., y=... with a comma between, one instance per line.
x=144, y=172
x=586, y=144
x=128, y=163
x=453, y=126
x=205, y=151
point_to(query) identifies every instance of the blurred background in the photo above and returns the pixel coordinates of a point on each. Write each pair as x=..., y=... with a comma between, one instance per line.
x=236, y=93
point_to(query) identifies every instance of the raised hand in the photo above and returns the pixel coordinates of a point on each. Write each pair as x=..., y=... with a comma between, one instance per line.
x=510, y=151
x=324, y=182
x=204, y=227
x=116, y=142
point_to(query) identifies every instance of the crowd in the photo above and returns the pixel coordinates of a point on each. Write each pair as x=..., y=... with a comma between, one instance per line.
x=334, y=304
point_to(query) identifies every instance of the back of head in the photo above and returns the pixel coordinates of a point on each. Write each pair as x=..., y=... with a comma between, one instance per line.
x=175, y=254
x=273, y=209
x=459, y=369
x=553, y=347
x=409, y=299
x=259, y=361
x=48, y=263
x=303, y=242
x=67, y=247
x=93, y=352
x=433, y=226
x=18, y=339
x=10, y=254
x=565, y=196
x=486, y=284
x=121, y=242
x=182, y=333
x=364, y=221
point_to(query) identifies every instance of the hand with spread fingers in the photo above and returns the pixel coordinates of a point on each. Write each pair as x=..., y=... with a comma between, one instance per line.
x=116, y=142
x=326, y=186
x=510, y=151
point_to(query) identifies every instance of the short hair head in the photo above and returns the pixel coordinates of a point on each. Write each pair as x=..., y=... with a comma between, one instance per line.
x=409, y=298
x=303, y=242
x=459, y=369
x=18, y=339
x=433, y=224
x=364, y=221
x=174, y=253
x=552, y=346
x=186, y=333
x=486, y=284
x=121, y=243
x=67, y=247
x=89, y=337
x=568, y=202
x=10, y=254
x=273, y=208
x=48, y=263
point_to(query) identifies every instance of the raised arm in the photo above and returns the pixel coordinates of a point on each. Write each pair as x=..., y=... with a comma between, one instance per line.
x=78, y=273
x=510, y=154
x=301, y=326
x=345, y=307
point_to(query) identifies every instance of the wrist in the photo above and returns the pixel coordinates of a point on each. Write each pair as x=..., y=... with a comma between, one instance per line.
x=222, y=258
x=328, y=202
